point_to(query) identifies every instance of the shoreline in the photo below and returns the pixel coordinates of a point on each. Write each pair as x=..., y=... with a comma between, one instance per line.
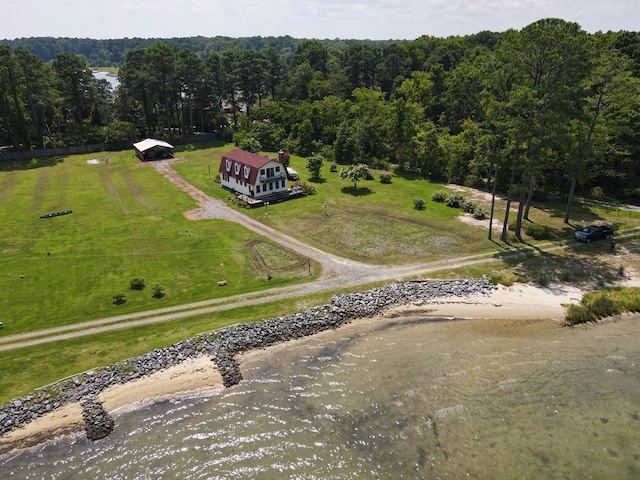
x=196, y=376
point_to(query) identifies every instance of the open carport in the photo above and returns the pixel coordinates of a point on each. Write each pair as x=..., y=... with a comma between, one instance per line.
x=153, y=149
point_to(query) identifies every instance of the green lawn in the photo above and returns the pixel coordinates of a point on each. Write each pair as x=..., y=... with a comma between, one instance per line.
x=125, y=224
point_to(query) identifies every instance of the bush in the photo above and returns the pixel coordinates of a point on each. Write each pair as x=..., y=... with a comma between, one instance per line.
x=538, y=232
x=368, y=174
x=119, y=299
x=419, y=203
x=479, y=214
x=158, y=291
x=455, y=201
x=467, y=206
x=334, y=167
x=440, y=196
x=380, y=164
x=594, y=306
x=137, y=284
x=306, y=188
x=385, y=177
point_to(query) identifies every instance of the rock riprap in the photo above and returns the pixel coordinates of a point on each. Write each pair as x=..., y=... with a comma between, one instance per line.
x=223, y=345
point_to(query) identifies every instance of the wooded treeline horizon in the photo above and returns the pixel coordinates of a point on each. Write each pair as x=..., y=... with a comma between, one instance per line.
x=548, y=109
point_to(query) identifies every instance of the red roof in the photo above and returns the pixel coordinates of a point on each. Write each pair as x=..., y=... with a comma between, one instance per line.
x=243, y=165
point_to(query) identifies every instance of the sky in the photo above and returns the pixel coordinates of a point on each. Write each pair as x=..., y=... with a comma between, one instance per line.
x=320, y=19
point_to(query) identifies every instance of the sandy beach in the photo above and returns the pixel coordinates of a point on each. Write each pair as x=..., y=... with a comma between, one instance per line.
x=520, y=301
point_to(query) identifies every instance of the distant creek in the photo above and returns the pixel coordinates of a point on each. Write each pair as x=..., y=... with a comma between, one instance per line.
x=113, y=80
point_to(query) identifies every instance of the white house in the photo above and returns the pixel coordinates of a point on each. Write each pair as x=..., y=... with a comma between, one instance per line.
x=253, y=175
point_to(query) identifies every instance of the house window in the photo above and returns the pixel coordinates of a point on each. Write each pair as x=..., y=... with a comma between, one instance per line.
x=262, y=172
x=277, y=169
x=258, y=189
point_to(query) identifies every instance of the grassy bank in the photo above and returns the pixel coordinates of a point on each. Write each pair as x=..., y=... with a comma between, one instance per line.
x=606, y=303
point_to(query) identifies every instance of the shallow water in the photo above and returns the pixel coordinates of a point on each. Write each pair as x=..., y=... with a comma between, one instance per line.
x=406, y=399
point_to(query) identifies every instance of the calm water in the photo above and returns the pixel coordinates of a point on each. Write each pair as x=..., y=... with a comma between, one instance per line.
x=109, y=78
x=412, y=399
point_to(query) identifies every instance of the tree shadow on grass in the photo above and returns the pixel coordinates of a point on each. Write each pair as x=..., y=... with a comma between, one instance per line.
x=190, y=147
x=582, y=266
x=357, y=192
x=12, y=165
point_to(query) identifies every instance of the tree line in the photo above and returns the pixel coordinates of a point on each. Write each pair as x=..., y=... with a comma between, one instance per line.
x=548, y=109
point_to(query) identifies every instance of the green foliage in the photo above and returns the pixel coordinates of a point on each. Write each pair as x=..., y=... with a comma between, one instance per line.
x=137, y=284
x=119, y=298
x=355, y=173
x=419, y=203
x=247, y=142
x=538, y=231
x=440, y=196
x=456, y=200
x=439, y=114
x=606, y=303
x=157, y=291
x=314, y=165
x=306, y=188
x=479, y=213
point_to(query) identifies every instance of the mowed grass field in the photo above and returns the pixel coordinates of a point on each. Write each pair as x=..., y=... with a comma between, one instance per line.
x=125, y=222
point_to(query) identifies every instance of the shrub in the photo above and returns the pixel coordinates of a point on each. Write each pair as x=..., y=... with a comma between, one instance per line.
x=137, y=284
x=385, y=177
x=543, y=279
x=158, y=291
x=334, y=167
x=537, y=231
x=119, y=298
x=368, y=174
x=455, y=201
x=380, y=164
x=440, y=196
x=479, y=214
x=593, y=307
x=467, y=206
x=419, y=203
x=306, y=188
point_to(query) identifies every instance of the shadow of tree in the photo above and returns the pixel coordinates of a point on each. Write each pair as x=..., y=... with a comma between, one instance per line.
x=11, y=165
x=190, y=147
x=357, y=192
x=581, y=266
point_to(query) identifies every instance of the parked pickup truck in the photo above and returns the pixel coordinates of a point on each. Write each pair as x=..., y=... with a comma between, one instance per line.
x=593, y=232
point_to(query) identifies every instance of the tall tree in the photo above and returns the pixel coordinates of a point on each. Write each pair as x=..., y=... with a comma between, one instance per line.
x=77, y=85
x=609, y=85
x=40, y=95
x=548, y=60
x=12, y=107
